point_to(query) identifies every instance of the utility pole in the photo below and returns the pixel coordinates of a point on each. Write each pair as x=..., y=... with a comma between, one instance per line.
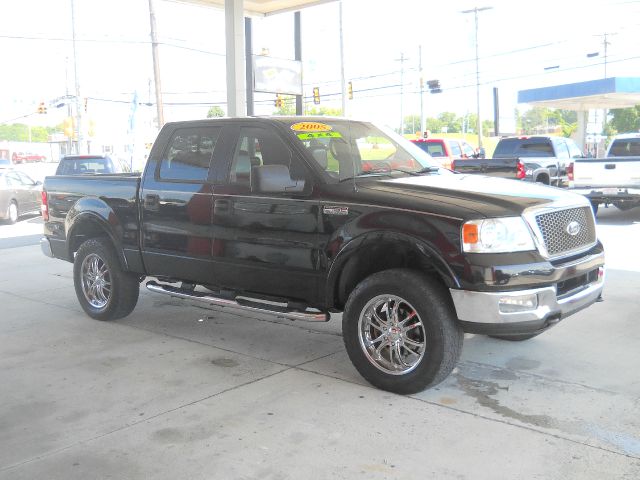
x=402, y=59
x=343, y=85
x=475, y=11
x=79, y=132
x=606, y=43
x=422, y=125
x=156, y=65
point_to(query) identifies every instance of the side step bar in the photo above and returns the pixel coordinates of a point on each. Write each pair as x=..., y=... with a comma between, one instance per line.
x=239, y=303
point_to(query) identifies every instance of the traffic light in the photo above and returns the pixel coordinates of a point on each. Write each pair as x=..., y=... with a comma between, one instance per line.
x=350, y=90
x=69, y=127
x=42, y=108
x=316, y=95
x=434, y=86
x=279, y=101
x=86, y=104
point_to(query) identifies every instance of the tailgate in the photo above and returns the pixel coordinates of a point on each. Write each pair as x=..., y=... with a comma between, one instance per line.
x=494, y=167
x=607, y=172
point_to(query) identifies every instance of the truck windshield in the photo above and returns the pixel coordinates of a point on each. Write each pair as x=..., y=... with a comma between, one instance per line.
x=523, y=147
x=344, y=149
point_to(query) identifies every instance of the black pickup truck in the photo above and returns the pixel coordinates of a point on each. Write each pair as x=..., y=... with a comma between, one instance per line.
x=540, y=159
x=277, y=216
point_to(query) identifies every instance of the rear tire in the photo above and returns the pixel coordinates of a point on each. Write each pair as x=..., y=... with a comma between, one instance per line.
x=400, y=331
x=594, y=207
x=104, y=290
x=12, y=213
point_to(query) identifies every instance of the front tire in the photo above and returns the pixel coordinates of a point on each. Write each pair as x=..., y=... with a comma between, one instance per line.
x=400, y=331
x=104, y=290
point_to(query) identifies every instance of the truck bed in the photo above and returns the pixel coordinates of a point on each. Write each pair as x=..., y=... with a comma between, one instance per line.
x=112, y=199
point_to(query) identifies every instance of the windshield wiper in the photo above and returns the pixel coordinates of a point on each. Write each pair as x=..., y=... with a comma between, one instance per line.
x=385, y=172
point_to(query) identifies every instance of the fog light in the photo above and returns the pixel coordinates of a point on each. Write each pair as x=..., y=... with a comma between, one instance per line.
x=519, y=303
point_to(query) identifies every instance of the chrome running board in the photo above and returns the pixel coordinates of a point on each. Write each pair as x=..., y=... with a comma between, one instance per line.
x=239, y=303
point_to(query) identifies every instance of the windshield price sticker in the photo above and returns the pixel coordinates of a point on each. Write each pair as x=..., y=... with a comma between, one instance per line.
x=311, y=127
x=311, y=136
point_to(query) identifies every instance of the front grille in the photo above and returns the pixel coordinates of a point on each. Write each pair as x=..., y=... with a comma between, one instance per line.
x=554, y=228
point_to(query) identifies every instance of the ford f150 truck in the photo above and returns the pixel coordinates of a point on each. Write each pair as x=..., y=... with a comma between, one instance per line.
x=540, y=159
x=611, y=180
x=277, y=216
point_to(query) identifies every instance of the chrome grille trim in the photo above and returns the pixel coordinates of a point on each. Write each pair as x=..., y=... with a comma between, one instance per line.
x=549, y=225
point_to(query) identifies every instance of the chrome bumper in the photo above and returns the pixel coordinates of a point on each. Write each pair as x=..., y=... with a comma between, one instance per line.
x=610, y=192
x=498, y=307
x=45, y=246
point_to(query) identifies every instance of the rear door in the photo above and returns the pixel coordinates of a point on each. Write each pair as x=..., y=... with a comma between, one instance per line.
x=26, y=191
x=177, y=204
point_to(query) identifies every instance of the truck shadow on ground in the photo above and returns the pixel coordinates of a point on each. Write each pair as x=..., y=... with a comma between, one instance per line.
x=613, y=216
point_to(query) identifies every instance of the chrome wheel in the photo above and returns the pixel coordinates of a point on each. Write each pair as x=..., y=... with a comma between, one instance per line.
x=392, y=334
x=96, y=281
x=13, y=212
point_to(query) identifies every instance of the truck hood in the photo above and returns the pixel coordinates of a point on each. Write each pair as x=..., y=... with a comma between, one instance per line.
x=487, y=196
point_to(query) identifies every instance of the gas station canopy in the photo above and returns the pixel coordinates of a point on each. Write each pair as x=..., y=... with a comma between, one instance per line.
x=263, y=8
x=605, y=93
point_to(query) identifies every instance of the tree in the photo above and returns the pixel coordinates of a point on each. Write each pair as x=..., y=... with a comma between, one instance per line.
x=215, y=111
x=19, y=132
x=625, y=119
x=411, y=124
x=451, y=121
x=324, y=111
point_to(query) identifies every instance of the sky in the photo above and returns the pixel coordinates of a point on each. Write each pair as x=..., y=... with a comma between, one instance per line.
x=518, y=42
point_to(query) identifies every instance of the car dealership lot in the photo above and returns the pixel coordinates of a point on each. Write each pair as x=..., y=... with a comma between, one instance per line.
x=177, y=391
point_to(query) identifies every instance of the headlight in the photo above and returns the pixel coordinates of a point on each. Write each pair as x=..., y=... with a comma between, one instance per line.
x=496, y=235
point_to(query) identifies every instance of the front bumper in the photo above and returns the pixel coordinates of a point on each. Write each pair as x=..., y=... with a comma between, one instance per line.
x=524, y=311
x=608, y=194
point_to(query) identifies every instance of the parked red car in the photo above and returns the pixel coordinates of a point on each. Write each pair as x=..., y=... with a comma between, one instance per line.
x=21, y=157
x=445, y=150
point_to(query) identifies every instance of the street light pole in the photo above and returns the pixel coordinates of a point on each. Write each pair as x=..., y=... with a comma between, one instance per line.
x=79, y=129
x=475, y=11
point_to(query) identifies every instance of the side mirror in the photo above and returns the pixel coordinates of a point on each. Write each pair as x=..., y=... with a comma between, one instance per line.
x=274, y=179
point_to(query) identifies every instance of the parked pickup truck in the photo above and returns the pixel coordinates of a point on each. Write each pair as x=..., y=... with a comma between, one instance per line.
x=276, y=216
x=540, y=159
x=611, y=180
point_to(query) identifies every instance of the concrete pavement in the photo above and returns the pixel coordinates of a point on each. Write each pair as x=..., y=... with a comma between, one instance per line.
x=177, y=391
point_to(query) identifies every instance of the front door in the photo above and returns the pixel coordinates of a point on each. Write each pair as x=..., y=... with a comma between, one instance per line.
x=265, y=243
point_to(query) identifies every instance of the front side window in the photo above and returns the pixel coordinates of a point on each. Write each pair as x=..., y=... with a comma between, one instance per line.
x=188, y=156
x=256, y=147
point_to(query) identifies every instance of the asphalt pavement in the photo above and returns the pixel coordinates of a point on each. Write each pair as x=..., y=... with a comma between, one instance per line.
x=176, y=391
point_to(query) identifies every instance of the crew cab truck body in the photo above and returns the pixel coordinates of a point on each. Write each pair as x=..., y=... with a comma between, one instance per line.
x=539, y=159
x=614, y=179
x=275, y=215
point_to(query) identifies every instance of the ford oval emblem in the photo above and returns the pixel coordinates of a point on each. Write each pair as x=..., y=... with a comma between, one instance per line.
x=573, y=228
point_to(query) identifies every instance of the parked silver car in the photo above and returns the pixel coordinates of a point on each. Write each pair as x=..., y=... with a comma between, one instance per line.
x=19, y=195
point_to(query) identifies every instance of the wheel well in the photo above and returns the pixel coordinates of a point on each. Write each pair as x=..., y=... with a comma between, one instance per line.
x=86, y=230
x=543, y=178
x=376, y=257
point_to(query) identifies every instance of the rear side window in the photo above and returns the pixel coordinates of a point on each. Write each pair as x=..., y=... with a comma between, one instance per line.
x=456, y=151
x=188, y=156
x=520, y=147
x=625, y=147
